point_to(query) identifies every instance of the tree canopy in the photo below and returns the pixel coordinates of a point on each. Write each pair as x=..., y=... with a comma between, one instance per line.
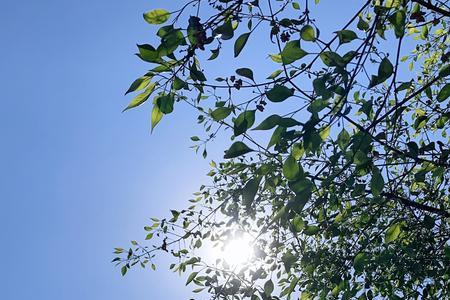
x=338, y=160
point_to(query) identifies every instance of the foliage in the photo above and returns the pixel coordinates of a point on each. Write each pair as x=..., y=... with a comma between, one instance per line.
x=339, y=161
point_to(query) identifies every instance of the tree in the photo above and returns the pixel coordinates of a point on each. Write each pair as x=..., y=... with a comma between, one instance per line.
x=338, y=165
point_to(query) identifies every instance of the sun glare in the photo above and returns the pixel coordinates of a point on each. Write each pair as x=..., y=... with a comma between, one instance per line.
x=238, y=251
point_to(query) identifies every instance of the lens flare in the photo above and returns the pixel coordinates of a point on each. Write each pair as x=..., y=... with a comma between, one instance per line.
x=238, y=251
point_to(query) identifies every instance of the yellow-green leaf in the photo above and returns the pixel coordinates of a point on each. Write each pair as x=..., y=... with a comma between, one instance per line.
x=308, y=33
x=392, y=233
x=290, y=168
x=141, y=98
x=156, y=116
x=157, y=16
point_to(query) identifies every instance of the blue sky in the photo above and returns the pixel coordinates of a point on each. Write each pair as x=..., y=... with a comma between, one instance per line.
x=78, y=177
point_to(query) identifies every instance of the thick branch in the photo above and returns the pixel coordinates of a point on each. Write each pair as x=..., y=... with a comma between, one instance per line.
x=432, y=7
x=417, y=205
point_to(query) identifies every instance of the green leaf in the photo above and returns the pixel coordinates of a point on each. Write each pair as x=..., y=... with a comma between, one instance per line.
x=245, y=72
x=165, y=103
x=343, y=139
x=240, y=43
x=319, y=85
x=311, y=230
x=346, y=36
x=362, y=25
x=196, y=74
x=226, y=31
x=275, y=120
x=191, y=277
x=332, y=59
x=360, y=158
x=307, y=33
x=157, y=16
x=279, y=93
x=295, y=5
x=221, y=113
x=156, y=116
x=141, y=98
x=398, y=20
x=249, y=191
x=244, y=121
x=139, y=84
x=178, y=84
x=214, y=54
x=312, y=140
x=301, y=186
x=288, y=260
x=237, y=149
x=269, y=123
x=275, y=138
x=324, y=133
x=276, y=58
x=275, y=74
x=360, y=261
x=447, y=251
x=123, y=270
x=297, y=151
x=444, y=93
x=444, y=71
x=290, y=168
x=298, y=224
x=385, y=69
x=148, y=53
x=288, y=291
x=292, y=52
x=377, y=182
x=268, y=287
x=170, y=40
x=392, y=233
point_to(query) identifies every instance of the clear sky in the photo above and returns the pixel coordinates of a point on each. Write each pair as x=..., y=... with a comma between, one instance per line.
x=78, y=177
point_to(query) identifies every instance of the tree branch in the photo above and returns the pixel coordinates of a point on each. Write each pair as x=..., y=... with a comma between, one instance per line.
x=417, y=205
x=432, y=7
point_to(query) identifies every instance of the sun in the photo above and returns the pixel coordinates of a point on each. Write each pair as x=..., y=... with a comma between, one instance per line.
x=238, y=251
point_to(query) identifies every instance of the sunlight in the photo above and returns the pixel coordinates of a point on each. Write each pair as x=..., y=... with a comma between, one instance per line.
x=238, y=251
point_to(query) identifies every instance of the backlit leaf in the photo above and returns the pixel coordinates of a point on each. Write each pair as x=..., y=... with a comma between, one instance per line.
x=308, y=33
x=157, y=16
x=139, y=84
x=290, y=168
x=292, y=52
x=141, y=98
x=156, y=116
x=392, y=233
